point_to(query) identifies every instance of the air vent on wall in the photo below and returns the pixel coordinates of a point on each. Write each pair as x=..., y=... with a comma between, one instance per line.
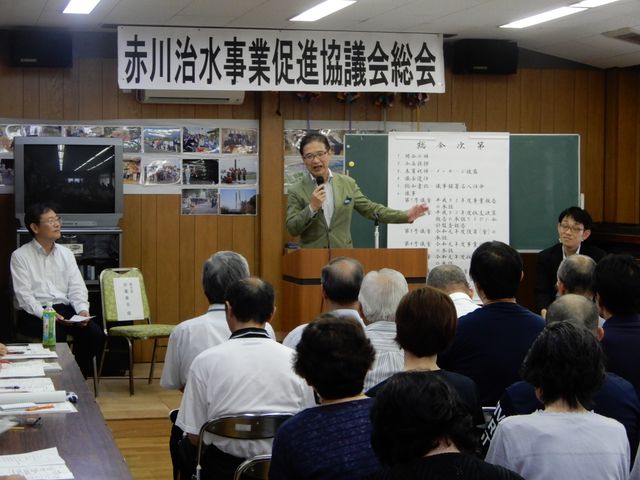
x=209, y=97
x=628, y=34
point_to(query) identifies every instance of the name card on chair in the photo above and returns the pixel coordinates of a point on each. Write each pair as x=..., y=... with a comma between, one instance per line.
x=128, y=298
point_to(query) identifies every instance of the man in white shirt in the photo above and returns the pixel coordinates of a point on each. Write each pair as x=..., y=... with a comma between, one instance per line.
x=45, y=272
x=250, y=373
x=341, y=279
x=452, y=280
x=193, y=336
x=380, y=294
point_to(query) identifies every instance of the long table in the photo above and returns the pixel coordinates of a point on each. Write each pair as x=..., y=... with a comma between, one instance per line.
x=83, y=439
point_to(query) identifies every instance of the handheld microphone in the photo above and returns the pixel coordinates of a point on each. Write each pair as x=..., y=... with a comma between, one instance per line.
x=319, y=180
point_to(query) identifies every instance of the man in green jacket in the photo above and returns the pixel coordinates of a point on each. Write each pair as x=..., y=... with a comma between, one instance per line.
x=321, y=204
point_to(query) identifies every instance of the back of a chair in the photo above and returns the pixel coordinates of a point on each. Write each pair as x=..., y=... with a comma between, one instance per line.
x=242, y=426
x=108, y=294
x=487, y=412
x=256, y=468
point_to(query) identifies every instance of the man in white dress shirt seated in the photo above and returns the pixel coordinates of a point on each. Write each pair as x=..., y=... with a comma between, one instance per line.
x=452, y=280
x=249, y=373
x=193, y=336
x=380, y=294
x=341, y=279
x=44, y=272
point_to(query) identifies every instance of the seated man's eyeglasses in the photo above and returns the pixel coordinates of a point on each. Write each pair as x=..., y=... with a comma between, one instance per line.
x=318, y=155
x=575, y=228
x=52, y=221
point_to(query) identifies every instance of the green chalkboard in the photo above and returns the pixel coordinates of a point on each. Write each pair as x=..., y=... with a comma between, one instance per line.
x=365, y=159
x=544, y=178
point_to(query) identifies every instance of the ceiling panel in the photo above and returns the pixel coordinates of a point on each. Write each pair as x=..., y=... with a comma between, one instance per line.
x=574, y=37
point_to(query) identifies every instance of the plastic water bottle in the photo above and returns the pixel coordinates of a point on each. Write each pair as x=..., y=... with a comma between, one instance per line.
x=49, y=327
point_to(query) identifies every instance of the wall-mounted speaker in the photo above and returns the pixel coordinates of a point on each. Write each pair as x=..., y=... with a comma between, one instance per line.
x=40, y=48
x=497, y=57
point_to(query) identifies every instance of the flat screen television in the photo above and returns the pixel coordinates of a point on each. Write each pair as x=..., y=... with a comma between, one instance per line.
x=81, y=176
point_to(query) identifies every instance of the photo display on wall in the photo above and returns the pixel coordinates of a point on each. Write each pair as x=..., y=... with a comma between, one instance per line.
x=212, y=164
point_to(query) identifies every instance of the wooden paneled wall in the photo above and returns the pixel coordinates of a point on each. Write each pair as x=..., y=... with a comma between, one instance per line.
x=622, y=158
x=170, y=248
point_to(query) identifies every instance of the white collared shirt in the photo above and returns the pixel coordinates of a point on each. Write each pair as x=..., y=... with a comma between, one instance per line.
x=192, y=337
x=293, y=337
x=39, y=278
x=463, y=303
x=389, y=355
x=329, y=203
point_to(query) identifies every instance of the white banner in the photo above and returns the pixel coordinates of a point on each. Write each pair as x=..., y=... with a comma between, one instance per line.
x=464, y=178
x=295, y=60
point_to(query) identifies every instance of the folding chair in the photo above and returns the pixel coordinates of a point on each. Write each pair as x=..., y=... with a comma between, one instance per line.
x=243, y=426
x=124, y=299
x=256, y=468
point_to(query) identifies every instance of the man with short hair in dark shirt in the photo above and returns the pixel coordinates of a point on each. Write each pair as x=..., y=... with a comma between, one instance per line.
x=616, y=282
x=491, y=342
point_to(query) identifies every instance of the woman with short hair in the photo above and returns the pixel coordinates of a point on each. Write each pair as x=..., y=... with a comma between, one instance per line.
x=565, y=440
x=331, y=440
x=422, y=430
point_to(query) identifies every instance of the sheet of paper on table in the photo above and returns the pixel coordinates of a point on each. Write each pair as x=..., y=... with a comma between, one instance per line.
x=44, y=464
x=35, y=384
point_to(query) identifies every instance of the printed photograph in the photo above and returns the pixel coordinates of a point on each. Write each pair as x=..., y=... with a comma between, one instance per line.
x=239, y=171
x=162, y=172
x=292, y=140
x=83, y=131
x=161, y=140
x=199, y=201
x=6, y=171
x=131, y=137
x=7, y=134
x=42, y=130
x=131, y=170
x=294, y=169
x=242, y=141
x=238, y=201
x=199, y=171
x=200, y=140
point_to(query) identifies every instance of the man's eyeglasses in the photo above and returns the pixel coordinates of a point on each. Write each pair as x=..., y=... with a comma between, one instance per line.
x=573, y=228
x=52, y=221
x=318, y=155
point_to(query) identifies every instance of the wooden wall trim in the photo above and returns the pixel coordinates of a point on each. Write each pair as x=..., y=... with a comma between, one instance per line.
x=271, y=192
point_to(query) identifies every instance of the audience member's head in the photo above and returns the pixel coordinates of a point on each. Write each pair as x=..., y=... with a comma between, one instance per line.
x=575, y=275
x=341, y=279
x=449, y=278
x=221, y=270
x=565, y=363
x=333, y=356
x=616, y=282
x=496, y=270
x=425, y=322
x=250, y=300
x=413, y=414
x=33, y=214
x=380, y=294
x=575, y=309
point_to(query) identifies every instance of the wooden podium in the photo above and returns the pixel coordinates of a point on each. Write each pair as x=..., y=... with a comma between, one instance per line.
x=301, y=298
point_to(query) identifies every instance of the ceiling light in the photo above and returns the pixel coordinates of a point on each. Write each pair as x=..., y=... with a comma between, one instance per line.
x=81, y=6
x=543, y=17
x=322, y=10
x=593, y=3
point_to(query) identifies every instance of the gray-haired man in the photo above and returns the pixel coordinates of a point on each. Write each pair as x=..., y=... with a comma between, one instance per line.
x=380, y=294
